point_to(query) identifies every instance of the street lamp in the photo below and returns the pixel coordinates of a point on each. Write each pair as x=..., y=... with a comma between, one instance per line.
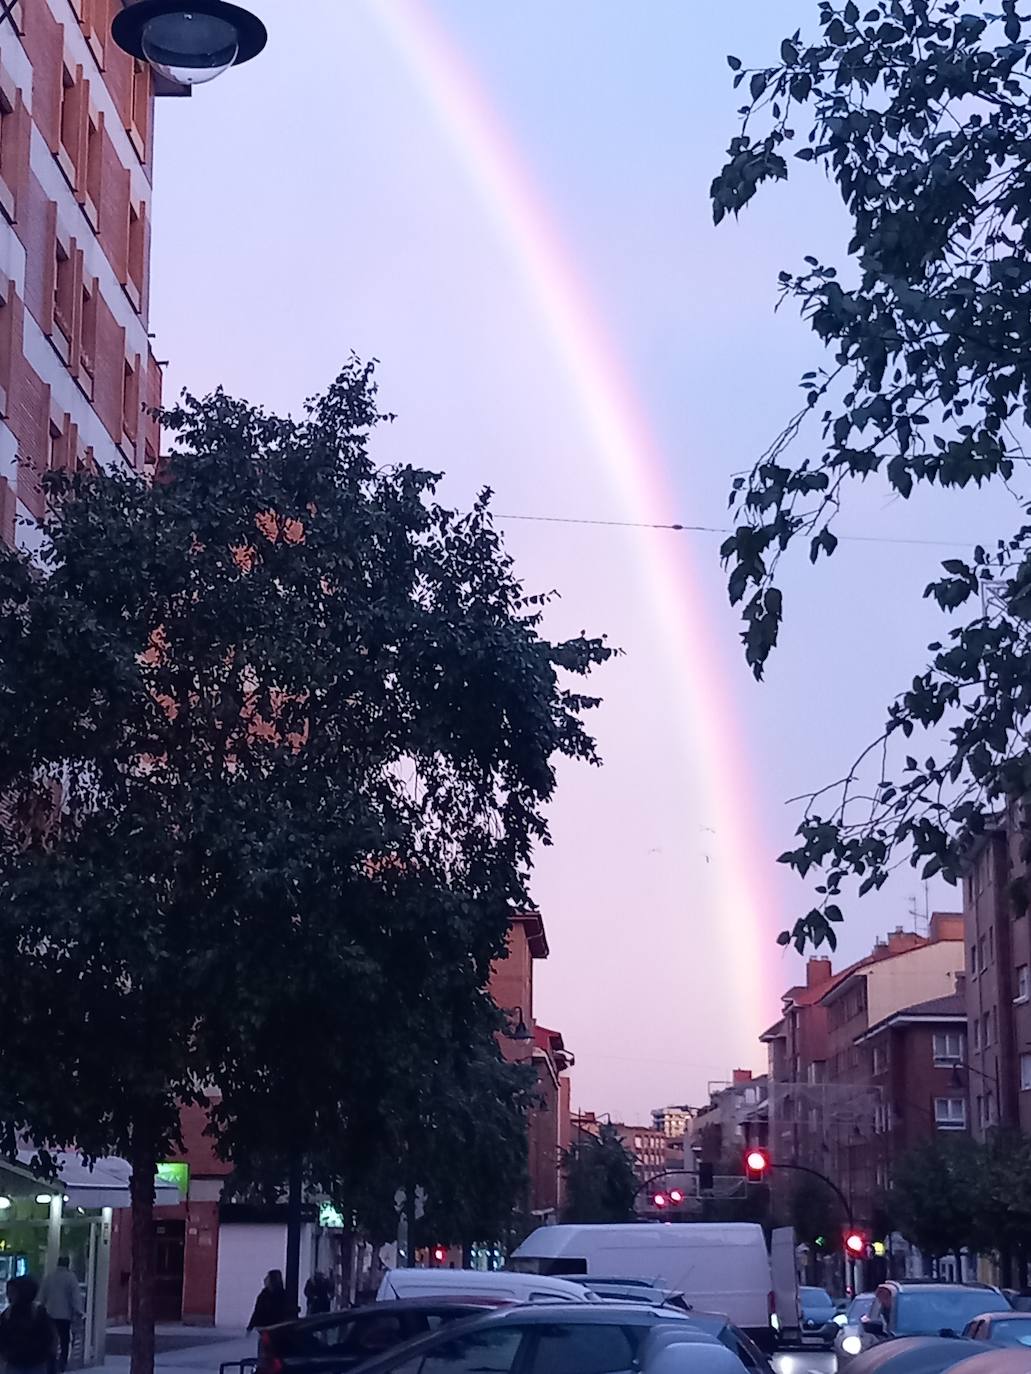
x=522, y=1031
x=189, y=41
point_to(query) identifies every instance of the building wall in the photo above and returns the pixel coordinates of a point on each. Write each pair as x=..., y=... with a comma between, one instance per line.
x=76, y=118
x=245, y=1255
x=919, y=975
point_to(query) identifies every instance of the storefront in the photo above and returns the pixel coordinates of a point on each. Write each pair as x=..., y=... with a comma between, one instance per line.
x=72, y=1215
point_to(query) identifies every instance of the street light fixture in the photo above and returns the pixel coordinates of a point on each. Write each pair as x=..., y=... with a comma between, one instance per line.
x=189, y=41
x=522, y=1031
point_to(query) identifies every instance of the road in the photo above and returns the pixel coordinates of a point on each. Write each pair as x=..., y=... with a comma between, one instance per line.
x=805, y=1362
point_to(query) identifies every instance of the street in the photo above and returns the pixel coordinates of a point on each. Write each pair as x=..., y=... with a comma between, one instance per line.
x=805, y=1362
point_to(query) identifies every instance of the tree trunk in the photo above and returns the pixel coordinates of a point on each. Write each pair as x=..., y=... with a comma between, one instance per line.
x=294, y=1205
x=143, y=1159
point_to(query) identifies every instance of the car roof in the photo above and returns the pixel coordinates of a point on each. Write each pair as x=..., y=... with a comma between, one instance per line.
x=1002, y=1316
x=902, y=1284
x=476, y=1303
x=912, y=1355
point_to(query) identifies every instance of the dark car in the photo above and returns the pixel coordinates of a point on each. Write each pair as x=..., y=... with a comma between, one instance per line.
x=605, y=1338
x=338, y=1341
x=929, y=1309
x=818, y=1311
x=1001, y=1328
x=736, y=1340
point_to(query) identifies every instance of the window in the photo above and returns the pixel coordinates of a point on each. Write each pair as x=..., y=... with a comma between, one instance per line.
x=64, y=291
x=1023, y=984
x=948, y=1047
x=980, y=1110
x=71, y=108
x=637, y=1142
x=1025, y=1072
x=976, y=1025
x=94, y=162
x=880, y=1058
x=492, y=1351
x=8, y=96
x=973, y=959
x=950, y=1113
x=53, y=462
x=585, y=1347
x=138, y=127
x=991, y=943
x=986, y=1030
x=88, y=330
x=989, y=1109
x=982, y=962
x=130, y=401
x=137, y=248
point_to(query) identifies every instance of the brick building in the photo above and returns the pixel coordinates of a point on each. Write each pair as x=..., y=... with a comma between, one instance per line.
x=998, y=958
x=76, y=366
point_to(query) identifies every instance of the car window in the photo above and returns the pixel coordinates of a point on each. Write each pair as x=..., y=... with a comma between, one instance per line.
x=370, y=1336
x=740, y=1345
x=1009, y=1332
x=929, y=1311
x=584, y=1348
x=491, y=1351
x=860, y=1307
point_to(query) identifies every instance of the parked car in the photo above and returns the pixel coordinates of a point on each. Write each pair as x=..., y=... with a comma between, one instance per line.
x=617, y=1290
x=498, y=1285
x=818, y=1312
x=848, y=1334
x=337, y=1341
x=562, y=1338
x=1001, y=1328
x=913, y=1355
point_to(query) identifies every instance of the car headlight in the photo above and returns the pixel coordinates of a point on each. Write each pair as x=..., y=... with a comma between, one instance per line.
x=852, y=1345
x=839, y=1319
x=774, y=1321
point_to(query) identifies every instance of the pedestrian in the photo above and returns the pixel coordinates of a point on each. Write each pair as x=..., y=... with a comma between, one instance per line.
x=59, y=1294
x=28, y=1338
x=318, y=1293
x=272, y=1304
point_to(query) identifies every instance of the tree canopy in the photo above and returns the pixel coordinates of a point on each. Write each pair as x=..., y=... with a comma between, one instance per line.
x=601, y=1183
x=279, y=730
x=918, y=112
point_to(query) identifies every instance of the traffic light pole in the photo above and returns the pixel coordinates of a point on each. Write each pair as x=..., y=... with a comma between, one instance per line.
x=850, y=1259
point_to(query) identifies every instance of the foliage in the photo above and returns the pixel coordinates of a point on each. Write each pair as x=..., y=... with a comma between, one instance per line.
x=937, y=1193
x=1004, y=1193
x=816, y=1212
x=600, y=1178
x=918, y=111
x=278, y=733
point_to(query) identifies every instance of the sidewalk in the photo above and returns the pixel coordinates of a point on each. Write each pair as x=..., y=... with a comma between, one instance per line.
x=181, y=1348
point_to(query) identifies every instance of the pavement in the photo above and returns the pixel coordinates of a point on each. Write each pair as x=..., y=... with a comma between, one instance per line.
x=180, y=1348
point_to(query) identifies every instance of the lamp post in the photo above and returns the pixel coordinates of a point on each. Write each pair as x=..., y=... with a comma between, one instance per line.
x=188, y=41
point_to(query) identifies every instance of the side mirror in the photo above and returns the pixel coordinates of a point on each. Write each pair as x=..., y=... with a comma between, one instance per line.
x=873, y=1326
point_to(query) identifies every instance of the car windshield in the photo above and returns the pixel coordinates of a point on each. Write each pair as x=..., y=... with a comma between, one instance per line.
x=859, y=1307
x=930, y=1311
x=816, y=1298
x=1012, y=1332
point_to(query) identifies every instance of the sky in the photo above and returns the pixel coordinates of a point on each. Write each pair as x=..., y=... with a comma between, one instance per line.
x=518, y=229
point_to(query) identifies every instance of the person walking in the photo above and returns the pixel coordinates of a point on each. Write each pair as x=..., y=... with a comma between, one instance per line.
x=28, y=1338
x=272, y=1304
x=59, y=1294
x=318, y=1293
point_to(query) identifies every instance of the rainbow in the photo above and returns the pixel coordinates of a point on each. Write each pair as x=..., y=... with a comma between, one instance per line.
x=614, y=421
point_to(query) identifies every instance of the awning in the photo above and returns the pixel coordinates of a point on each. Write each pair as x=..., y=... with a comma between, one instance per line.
x=105, y=1184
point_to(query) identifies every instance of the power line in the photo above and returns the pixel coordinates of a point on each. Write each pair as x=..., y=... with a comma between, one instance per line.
x=722, y=529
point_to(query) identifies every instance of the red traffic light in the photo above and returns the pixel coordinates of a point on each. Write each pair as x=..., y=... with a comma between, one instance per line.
x=439, y=1254
x=855, y=1242
x=757, y=1162
x=660, y=1200
x=676, y=1196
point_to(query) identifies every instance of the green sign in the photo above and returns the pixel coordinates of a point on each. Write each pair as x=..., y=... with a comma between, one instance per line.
x=329, y=1218
x=176, y=1173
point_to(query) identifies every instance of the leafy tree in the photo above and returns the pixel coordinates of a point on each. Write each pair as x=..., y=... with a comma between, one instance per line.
x=278, y=734
x=600, y=1180
x=918, y=112
x=936, y=1194
x=816, y=1212
x=1004, y=1195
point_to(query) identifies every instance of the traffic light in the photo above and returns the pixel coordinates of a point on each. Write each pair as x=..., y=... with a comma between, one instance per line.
x=676, y=1197
x=757, y=1162
x=439, y=1254
x=855, y=1244
x=660, y=1200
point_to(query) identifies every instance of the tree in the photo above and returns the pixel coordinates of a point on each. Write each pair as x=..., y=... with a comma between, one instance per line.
x=601, y=1182
x=278, y=732
x=918, y=111
x=1004, y=1198
x=935, y=1197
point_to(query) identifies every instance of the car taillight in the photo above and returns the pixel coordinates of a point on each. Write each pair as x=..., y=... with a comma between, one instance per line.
x=268, y=1361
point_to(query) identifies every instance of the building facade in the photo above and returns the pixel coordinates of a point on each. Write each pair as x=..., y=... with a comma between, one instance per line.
x=76, y=365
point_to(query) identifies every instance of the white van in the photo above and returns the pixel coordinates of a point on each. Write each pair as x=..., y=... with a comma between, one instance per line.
x=476, y=1284
x=719, y=1267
